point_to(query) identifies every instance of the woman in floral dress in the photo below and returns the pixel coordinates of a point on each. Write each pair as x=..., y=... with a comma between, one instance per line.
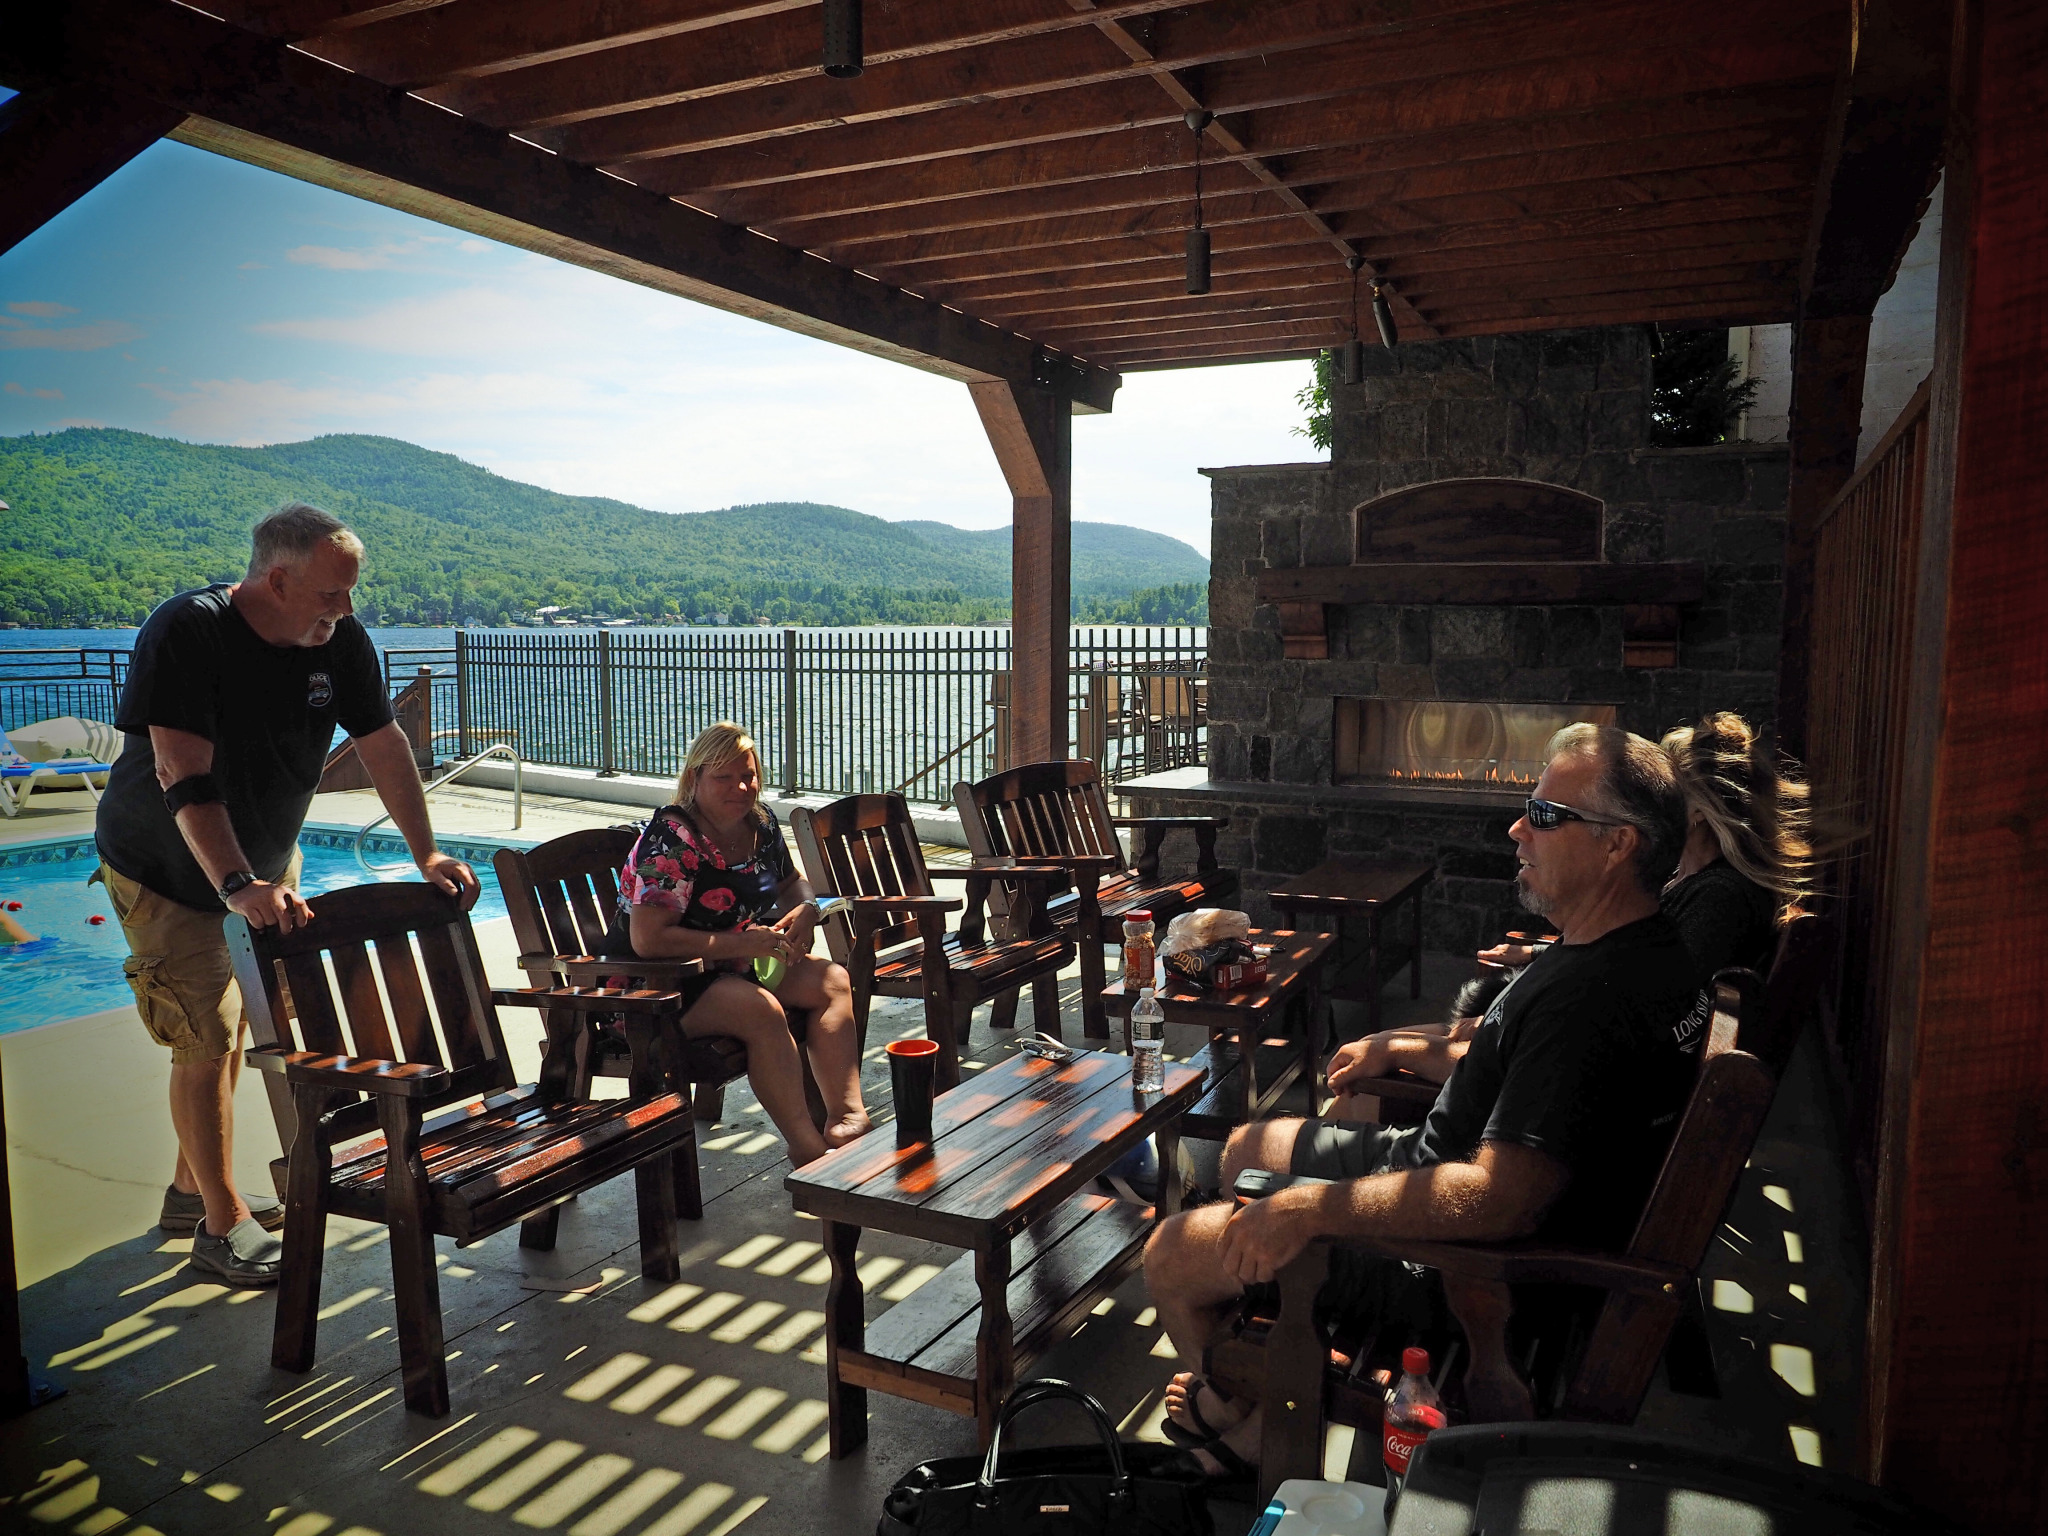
x=711, y=879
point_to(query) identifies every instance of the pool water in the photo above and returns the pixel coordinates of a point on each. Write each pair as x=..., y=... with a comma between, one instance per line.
x=73, y=966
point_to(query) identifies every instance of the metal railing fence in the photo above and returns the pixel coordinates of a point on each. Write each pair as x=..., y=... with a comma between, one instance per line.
x=835, y=711
x=43, y=684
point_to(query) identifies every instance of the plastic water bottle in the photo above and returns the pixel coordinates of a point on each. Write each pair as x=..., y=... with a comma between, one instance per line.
x=1148, y=1043
x=1412, y=1412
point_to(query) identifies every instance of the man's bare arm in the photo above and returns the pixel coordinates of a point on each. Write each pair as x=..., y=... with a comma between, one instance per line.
x=1502, y=1193
x=210, y=834
x=388, y=755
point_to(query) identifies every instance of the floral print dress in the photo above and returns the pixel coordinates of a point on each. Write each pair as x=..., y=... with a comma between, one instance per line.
x=675, y=864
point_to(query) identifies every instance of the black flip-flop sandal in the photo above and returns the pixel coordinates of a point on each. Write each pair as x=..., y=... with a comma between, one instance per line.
x=1204, y=1432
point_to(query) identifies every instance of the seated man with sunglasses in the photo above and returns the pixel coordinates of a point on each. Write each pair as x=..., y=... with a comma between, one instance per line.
x=1554, y=1124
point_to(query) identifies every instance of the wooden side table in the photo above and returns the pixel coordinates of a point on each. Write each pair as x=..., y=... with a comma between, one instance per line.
x=1368, y=891
x=1008, y=1175
x=1249, y=1058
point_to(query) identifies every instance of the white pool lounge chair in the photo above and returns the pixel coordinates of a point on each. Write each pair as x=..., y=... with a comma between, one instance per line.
x=19, y=777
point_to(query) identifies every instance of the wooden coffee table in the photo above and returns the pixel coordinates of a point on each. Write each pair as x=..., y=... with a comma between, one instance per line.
x=1249, y=1058
x=1008, y=1175
x=1368, y=890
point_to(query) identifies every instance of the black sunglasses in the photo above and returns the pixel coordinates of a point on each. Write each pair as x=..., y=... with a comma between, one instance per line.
x=1548, y=815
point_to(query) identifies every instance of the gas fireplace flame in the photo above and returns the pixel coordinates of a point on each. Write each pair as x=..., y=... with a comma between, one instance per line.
x=1491, y=777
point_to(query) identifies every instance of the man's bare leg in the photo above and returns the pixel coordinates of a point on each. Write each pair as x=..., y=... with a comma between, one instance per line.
x=1184, y=1276
x=203, y=1115
x=1262, y=1144
x=182, y=1177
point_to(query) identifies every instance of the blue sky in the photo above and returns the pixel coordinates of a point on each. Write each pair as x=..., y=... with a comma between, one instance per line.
x=196, y=297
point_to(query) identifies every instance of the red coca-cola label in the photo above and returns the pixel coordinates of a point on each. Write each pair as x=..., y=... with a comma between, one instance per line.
x=1400, y=1444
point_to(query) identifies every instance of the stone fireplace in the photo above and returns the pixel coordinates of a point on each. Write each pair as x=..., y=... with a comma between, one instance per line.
x=1493, y=551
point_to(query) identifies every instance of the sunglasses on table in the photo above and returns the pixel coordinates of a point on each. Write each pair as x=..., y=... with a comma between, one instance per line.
x=1548, y=815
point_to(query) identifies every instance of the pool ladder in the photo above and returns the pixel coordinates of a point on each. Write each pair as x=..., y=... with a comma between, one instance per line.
x=499, y=749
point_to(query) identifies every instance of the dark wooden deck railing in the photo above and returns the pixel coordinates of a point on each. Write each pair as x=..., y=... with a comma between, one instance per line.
x=1867, y=572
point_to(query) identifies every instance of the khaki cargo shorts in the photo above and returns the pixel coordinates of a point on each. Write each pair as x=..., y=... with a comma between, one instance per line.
x=179, y=970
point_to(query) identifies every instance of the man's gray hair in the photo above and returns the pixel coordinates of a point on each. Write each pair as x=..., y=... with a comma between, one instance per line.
x=1636, y=787
x=293, y=532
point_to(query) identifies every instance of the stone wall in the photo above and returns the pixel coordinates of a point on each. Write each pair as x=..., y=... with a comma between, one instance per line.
x=1571, y=408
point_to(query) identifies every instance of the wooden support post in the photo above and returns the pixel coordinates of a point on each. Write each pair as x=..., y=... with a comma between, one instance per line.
x=1828, y=358
x=1883, y=152
x=58, y=143
x=1031, y=430
x=1962, y=1212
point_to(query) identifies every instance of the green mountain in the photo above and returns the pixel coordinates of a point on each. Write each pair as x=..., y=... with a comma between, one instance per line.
x=104, y=524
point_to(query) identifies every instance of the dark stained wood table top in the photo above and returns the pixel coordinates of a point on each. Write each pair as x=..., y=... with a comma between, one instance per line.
x=1353, y=881
x=1288, y=964
x=1007, y=1146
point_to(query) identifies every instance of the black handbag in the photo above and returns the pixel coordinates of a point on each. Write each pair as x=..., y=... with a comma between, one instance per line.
x=1062, y=1490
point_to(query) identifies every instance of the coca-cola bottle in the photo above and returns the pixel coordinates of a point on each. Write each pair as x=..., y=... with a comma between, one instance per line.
x=1412, y=1412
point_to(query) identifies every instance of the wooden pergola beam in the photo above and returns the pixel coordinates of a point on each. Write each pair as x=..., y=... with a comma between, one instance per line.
x=59, y=142
x=255, y=100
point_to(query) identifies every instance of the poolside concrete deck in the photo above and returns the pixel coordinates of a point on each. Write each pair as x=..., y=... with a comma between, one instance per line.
x=588, y=1402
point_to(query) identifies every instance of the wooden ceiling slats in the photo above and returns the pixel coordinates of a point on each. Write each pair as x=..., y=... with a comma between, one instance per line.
x=1784, y=105
x=294, y=20
x=1504, y=165
x=1310, y=107
x=1320, y=53
x=1335, y=176
x=750, y=55
x=1353, y=210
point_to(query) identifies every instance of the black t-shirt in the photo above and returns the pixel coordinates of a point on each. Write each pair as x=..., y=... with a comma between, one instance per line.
x=1589, y=1057
x=1725, y=918
x=270, y=712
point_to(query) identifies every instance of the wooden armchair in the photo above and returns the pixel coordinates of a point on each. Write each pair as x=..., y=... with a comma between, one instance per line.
x=563, y=897
x=365, y=1083
x=1057, y=812
x=1285, y=1362
x=892, y=937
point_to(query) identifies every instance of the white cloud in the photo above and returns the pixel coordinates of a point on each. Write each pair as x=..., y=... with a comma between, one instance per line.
x=334, y=259
x=71, y=338
x=41, y=310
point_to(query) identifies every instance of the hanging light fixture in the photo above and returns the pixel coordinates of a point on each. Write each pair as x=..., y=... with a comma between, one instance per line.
x=1354, y=349
x=843, y=59
x=1383, y=317
x=1198, y=122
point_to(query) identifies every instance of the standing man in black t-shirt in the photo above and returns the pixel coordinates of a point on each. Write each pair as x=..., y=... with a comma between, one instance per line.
x=1554, y=1123
x=233, y=694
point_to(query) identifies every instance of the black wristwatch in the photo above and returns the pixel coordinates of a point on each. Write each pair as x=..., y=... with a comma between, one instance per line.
x=239, y=881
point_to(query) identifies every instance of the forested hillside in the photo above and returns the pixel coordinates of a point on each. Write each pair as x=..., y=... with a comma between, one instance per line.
x=104, y=524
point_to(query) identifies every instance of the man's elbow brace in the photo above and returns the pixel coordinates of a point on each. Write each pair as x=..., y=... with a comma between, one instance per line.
x=194, y=789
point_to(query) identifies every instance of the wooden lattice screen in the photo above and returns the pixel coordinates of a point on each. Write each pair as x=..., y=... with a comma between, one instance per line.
x=1866, y=577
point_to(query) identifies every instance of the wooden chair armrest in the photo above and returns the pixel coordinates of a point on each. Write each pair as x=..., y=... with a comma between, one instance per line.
x=1099, y=863
x=1170, y=821
x=366, y=1074
x=906, y=903
x=1403, y=1087
x=1518, y=1263
x=594, y=970
x=1512, y=1263
x=1050, y=872
x=637, y=1000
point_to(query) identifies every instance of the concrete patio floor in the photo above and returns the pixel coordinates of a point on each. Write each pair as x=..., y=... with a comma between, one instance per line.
x=589, y=1402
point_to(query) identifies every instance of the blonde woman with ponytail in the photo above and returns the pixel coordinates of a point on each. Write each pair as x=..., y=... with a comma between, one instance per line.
x=1748, y=857
x=711, y=879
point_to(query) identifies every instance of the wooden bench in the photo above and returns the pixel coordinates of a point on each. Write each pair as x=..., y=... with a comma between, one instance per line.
x=364, y=1083
x=1058, y=813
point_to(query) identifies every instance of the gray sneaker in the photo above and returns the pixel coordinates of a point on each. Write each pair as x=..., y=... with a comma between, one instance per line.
x=247, y=1256
x=182, y=1213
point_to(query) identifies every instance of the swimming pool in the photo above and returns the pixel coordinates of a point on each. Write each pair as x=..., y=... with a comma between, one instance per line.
x=73, y=967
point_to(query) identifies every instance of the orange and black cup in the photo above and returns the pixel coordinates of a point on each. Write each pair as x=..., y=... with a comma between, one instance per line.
x=911, y=1065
